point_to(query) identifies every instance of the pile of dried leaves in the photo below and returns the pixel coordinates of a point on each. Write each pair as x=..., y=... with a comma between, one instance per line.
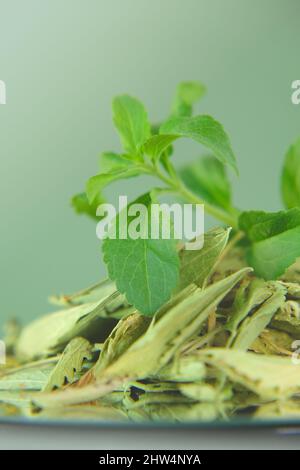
x=220, y=348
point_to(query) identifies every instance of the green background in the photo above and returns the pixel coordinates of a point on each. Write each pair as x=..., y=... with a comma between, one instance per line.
x=63, y=61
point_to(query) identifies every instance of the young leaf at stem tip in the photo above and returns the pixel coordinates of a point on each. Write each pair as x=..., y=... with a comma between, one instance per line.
x=187, y=94
x=157, y=145
x=110, y=161
x=81, y=204
x=205, y=130
x=131, y=120
x=290, y=178
x=97, y=183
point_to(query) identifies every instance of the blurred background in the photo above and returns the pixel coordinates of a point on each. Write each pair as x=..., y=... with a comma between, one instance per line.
x=64, y=61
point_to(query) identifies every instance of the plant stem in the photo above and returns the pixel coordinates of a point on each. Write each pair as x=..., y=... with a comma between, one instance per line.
x=219, y=214
x=175, y=185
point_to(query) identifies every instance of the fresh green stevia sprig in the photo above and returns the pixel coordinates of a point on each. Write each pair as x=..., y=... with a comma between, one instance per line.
x=176, y=366
x=273, y=238
x=150, y=155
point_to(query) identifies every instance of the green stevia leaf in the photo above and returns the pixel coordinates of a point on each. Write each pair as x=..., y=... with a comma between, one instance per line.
x=205, y=130
x=97, y=183
x=145, y=269
x=276, y=240
x=81, y=204
x=157, y=145
x=260, y=225
x=110, y=161
x=207, y=179
x=271, y=257
x=253, y=325
x=169, y=330
x=270, y=377
x=131, y=120
x=70, y=364
x=197, y=265
x=290, y=179
x=187, y=94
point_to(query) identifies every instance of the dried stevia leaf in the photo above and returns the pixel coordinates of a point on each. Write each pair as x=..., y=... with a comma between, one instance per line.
x=180, y=412
x=252, y=326
x=19, y=398
x=28, y=378
x=292, y=274
x=85, y=413
x=270, y=377
x=168, y=331
x=126, y=332
x=196, y=266
x=293, y=290
x=93, y=293
x=12, y=330
x=288, y=409
x=204, y=392
x=288, y=318
x=249, y=295
x=62, y=326
x=184, y=368
x=7, y=410
x=138, y=394
x=70, y=364
x=273, y=342
x=171, y=329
